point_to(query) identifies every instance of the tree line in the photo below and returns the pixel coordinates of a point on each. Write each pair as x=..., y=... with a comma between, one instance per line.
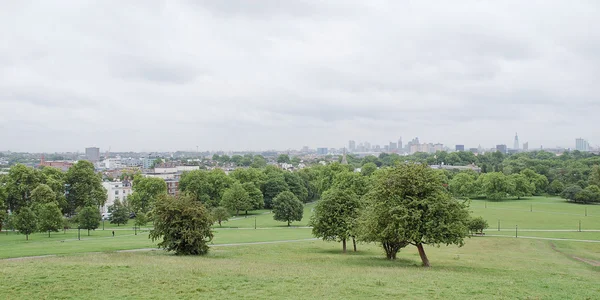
x=47, y=199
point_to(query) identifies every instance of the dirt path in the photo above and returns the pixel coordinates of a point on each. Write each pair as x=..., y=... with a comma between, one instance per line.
x=591, y=262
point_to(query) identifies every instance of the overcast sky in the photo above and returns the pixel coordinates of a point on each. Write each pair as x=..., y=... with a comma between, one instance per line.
x=271, y=74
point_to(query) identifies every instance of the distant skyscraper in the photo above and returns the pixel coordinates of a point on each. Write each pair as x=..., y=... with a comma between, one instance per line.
x=501, y=148
x=352, y=146
x=367, y=146
x=526, y=146
x=516, y=145
x=322, y=151
x=460, y=147
x=92, y=154
x=393, y=146
x=400, y=143
x=582, y=145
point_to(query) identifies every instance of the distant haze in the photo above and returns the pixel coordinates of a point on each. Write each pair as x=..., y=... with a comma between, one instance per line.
x=271, y=74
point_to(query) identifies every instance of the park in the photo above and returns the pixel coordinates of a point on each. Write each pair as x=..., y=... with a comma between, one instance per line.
x=536, y=247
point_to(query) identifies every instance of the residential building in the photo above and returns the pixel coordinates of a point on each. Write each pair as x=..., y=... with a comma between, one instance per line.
x=582, y=145
x=437, y=147
x=459, y=147
x=62, y=165
x=501, y=148
x=92, y=154
x=115, y=190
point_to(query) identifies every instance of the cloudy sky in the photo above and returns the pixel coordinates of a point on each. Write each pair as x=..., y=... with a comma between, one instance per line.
x=271, y=74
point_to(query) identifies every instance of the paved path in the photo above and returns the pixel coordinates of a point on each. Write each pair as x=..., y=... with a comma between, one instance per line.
x=541, y=238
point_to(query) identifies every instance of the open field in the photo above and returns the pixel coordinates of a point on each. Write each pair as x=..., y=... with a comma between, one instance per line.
x=485, y=268
x=544, y=263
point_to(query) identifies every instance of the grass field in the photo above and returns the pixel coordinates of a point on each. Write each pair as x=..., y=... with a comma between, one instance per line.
x=548, y=264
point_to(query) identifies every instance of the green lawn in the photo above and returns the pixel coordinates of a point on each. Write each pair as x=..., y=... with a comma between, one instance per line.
x=486, y=268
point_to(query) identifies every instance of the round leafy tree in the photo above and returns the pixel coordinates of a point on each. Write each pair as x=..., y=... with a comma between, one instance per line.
x=287, y=208
x=183, y=224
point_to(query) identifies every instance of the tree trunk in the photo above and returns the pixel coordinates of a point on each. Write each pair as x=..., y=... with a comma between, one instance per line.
x=246, y=212
x=27, y=237
x=219, y=223
x=344, y=245
x=48, y=233
x=354, y=243
x=423, y=255
x=289, y=223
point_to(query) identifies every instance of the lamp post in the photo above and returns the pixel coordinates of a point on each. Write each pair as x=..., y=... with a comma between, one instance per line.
x=79, y=233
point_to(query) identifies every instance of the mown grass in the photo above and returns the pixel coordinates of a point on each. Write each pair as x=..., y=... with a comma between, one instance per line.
x=486, y=268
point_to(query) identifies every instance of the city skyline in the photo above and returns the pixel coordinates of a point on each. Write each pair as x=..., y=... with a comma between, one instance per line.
x=225, y=75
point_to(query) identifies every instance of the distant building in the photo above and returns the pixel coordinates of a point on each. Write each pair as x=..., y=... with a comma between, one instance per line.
x=115, y=190
x=516, y=144
x=582, y=145
x=501, y=148
x=92, y=154
x=526, y=146
x=474, y=150
x=322, y=151
x=352, y=146
x=393, y=147
x=459, y=147
x=400, y=145
x=62, y=165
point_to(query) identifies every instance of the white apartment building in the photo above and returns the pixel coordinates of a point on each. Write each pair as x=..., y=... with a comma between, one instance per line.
x=115, y=190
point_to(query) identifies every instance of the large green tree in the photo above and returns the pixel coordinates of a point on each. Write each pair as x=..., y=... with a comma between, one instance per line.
x=236, y=198
x=50, y=218
x=42, y=194
x=145, y=192
x=84, y=187
x=495, y=185
x=26, y=222
x=521, y=186
x=256, y=196
x=274, y=185
x=368, y=168
x=287, y=208
x=335, y=216
x=119, y=213
x=409, y=205
x=88, y=218
x=296, y=185
x=283, y=158
x=463, y=185
x=182, y=224
x=220, y=214
x=20, y=182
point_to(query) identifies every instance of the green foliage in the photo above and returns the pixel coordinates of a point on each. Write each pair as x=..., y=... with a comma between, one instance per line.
x=296, y=185
x=88, y=218
x=84, y=187
x=571, y=192
x=236, y=198
x=495, y=185
x=352, y=182
x=539, y=182
x=274, y=185
x=463, y=185
x=26, y=222
x=590, y=194
x=249, y=175
x=20, y=182
x=556, y=187
x=283, y=158
x=287, y=208
x=119, y=213
x=205, y=186
x=477, y=225
x=220, y=214
x=183, y=224
x=521, y=185
x=50, y=218
x=334, y=217
x=368, y=169
x=409, y=205
x=42, y=194
x=141, y=219
x=145, y=192
x=256, y=196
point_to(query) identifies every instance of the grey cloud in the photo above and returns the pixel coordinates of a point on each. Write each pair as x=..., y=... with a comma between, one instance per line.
x=283, y=74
